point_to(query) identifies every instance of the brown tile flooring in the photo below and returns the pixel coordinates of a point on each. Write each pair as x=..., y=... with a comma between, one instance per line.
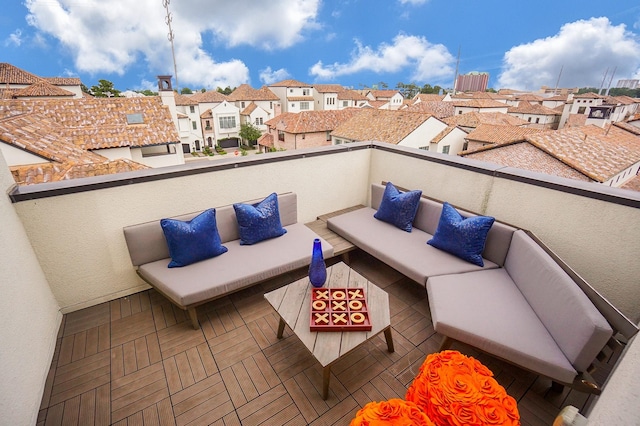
x=137, y=361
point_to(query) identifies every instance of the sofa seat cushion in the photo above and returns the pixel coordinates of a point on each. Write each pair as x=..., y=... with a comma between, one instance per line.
x=406, y=252
x=242, y=266
x=485, y=309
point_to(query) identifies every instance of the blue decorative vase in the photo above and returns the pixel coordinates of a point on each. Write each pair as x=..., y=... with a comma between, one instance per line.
x=317, y=268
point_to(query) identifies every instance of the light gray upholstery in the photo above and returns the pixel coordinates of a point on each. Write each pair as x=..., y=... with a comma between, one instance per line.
x=240, y=267
x=486, y=310
x=575, y=324
x=146, y=242
x=408, y=252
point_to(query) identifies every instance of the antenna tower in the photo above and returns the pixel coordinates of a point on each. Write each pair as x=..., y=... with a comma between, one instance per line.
x=167, y=19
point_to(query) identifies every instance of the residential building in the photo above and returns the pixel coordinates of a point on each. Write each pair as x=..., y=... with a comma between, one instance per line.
x=257, y=106
x=45, y=140
x=439, y=109
x=294, y=95
x=402, y=128
x=558, y=90
x=485, y=134
x=472, y=120
x=472, y=82
x=386, y=99
x=304, y=129
x=608, y=156
x=629, y=84
x=479, y=105
x=539, y=116
x=18, y=83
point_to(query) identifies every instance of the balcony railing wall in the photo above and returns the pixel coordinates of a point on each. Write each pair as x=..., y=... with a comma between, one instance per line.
x=78, y=236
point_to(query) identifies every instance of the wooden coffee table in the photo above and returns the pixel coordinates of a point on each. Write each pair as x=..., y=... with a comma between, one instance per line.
x=292, y=303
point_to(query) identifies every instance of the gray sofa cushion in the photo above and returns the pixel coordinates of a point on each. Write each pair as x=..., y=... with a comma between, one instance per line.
x=146, y=242
x=486, y=310
x=242, y=266
x=408, y=252
x=428, y=217
x=557, y=301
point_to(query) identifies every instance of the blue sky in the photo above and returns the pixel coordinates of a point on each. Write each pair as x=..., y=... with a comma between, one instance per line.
x=356, y=43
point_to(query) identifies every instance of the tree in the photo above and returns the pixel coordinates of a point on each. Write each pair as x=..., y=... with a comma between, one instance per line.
x=249, y=132
x=104, y=89
x=147, y=92
x=226, y=91
x=186, y=91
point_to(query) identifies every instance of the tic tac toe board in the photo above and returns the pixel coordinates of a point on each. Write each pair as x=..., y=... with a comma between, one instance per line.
x=339, y=309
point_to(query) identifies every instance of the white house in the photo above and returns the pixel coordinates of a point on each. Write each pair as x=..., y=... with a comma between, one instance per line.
x=294, y=95
x=226, y=124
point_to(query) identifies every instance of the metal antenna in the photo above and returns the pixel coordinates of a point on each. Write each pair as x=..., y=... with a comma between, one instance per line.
x=170, y=36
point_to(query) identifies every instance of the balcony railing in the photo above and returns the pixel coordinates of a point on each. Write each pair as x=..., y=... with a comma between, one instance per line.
x=75, y=227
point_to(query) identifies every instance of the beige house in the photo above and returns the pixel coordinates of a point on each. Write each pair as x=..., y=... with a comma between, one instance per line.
x=539, y=116
x=305, y=129
x=294, y=95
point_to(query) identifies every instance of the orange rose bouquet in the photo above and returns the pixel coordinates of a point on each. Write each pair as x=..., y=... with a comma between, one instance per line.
x=453, y=389
x=395, y=412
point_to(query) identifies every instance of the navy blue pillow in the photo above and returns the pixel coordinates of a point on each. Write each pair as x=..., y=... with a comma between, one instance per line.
x=398, y=208
x=194, y=240
x=462, y=237
x=259, y=221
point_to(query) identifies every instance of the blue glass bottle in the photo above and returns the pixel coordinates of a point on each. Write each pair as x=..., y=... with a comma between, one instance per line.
x=317, y=268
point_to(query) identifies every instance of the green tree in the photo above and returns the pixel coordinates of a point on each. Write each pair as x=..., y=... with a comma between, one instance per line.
x=186, y=91
x=249, y=132
x=104, y=89
x=226, y=91
x=147, y=92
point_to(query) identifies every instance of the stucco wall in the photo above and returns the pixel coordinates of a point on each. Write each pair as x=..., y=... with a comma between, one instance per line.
x=29, y=316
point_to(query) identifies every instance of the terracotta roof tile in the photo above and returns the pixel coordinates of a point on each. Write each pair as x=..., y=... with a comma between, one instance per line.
x=42, y=89
x=438, y=109
x=289, y=83
x=10, y=74
x=384, y=94
x=311, y=121
x=428, y=97
x=500, y=134
x=479, y=103
x=184, y=100
x=244, y=92
x=351, y=95
x=474, y=118
x=381, y=125
x=328, y=88
x=210, y=96
x=64, y=81
x=525, y=107
x=249, y=109
x=266, y=140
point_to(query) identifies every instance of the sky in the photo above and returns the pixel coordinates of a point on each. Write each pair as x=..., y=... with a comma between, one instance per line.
x=356, y=43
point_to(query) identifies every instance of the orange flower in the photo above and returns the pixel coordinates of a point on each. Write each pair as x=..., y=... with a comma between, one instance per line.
x=396, y=412
x=453, y=389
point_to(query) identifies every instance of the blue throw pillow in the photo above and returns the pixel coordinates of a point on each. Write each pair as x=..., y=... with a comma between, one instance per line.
x=462, y=237
x=194, y=240
x=398, y=208
x=259, y=221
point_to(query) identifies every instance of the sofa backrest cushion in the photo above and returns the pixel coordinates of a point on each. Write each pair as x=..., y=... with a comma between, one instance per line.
x=428, y=217
x=566, y=312
x=146, y=241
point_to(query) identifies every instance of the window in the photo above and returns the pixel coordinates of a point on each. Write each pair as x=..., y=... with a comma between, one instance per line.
x=155, y=150
x=290, y=90
x=465, y=146
x=242, y=104
x=227, y=122
x=345, y=104
x=529, y=119
x=581, y=110
x=304, y=105
x=192, y=109
x=304, y=136
x=135, y=118
x=445, y=149
x=331, y=101
x=207, y=124
x=328, y=135
x=281, y=135
x=537, y=120
x=259, y=121
x=305, y=92
x=194, y=125
x=270, y=105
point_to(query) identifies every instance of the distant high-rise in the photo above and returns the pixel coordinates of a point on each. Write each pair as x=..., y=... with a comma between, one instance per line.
x=629, y=84
x=472, y=82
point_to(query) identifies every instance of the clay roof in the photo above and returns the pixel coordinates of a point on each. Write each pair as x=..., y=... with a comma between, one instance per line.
x=588, y=95
x=10, y=74
x=474, y=118
x=529, y=97
x=351, y=95
x=244, y=92
x=249, y=109
x=620, y=100
x=381, y=125
x=438, y=109
x=628, y=127
x=311, y=121
x=64, y=81
x=478, y=95
x=184, y=100
x=290, y=83
x=42, y=88
x=479, y=103
x=576, y=120
x=210, y=96
x=597, y=153
x=562, y=98
x=328, y=88
x=632, y=184
x=524, y=107
x=266, y=140
x=500, y=134
x=444, y=133
x=428, y=97
x=96, y=123
x=384, y=94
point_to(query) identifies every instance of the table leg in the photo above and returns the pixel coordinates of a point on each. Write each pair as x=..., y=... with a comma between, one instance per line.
x=326, y=375
x=281, y=328
x=389, y=338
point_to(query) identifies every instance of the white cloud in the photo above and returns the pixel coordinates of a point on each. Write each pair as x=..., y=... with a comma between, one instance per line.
x=428, y=61
x=15, y=38
x=113, y=36
x=268, y=76
x=413, y=2
x=583, y=50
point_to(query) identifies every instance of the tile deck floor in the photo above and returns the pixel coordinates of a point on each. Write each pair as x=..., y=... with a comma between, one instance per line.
x=137, y=361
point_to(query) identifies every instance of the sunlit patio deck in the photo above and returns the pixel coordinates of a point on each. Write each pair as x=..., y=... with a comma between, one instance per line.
x=136, y=360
